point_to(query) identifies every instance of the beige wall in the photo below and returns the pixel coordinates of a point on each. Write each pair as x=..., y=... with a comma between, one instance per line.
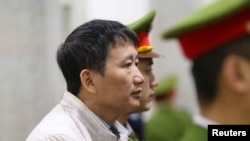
x=30, y=81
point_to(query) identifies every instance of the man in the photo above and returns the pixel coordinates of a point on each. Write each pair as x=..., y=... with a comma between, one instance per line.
x=216, y=38
x=99, y=63
x=168, y=122
x=142, y=27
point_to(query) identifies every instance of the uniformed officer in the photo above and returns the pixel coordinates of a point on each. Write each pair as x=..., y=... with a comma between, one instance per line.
x=168, y=122
x=216, y=39
x=132, y=125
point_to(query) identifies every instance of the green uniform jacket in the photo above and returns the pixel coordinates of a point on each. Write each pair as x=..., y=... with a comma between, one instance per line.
x=195, y=133
x=167, y=124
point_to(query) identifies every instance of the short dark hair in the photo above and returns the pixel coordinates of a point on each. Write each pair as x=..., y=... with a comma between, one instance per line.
x=206, y=68
x=88, y=46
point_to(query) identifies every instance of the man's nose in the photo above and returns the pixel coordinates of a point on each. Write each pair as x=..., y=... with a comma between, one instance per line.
x=139, y=79
x=154, y=82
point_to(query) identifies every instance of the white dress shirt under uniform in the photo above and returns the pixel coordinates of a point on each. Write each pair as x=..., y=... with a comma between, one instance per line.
x=203, y=121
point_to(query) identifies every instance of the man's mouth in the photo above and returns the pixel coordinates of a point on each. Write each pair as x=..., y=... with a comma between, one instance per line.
x=137, y=94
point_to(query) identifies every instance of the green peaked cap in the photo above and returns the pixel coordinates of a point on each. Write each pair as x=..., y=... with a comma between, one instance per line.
x=142, y=28
x=165, y=85
x=143, y=24
x=211, y=13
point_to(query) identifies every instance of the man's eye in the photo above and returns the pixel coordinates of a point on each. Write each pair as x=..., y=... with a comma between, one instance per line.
x=128, y=64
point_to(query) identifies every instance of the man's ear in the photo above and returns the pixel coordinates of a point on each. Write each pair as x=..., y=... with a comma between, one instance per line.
x=235, y=71
x=86, y=77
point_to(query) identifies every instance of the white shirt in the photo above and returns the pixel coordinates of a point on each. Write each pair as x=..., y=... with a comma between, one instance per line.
x=125, y=131
x=62, y=123
x=203, y=121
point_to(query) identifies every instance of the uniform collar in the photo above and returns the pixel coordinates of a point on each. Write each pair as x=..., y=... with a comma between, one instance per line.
x=202, y=121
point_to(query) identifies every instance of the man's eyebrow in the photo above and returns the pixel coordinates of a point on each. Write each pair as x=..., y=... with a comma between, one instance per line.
x=129, y=57
x=132, y=57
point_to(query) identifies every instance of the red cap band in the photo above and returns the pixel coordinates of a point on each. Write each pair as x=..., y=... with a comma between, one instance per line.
x=206, y=38
x=144, y=43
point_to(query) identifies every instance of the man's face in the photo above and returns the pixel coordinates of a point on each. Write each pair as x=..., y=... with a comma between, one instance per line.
x=145, y=66
x=120, y=88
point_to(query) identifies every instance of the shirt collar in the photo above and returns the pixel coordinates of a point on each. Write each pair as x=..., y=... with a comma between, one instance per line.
x=127, y=130
x=79, y=106
x=105, y=123
x=202, y=121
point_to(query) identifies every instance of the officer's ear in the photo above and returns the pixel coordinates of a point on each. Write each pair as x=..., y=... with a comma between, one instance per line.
x=236, y=74
x=86, y=77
